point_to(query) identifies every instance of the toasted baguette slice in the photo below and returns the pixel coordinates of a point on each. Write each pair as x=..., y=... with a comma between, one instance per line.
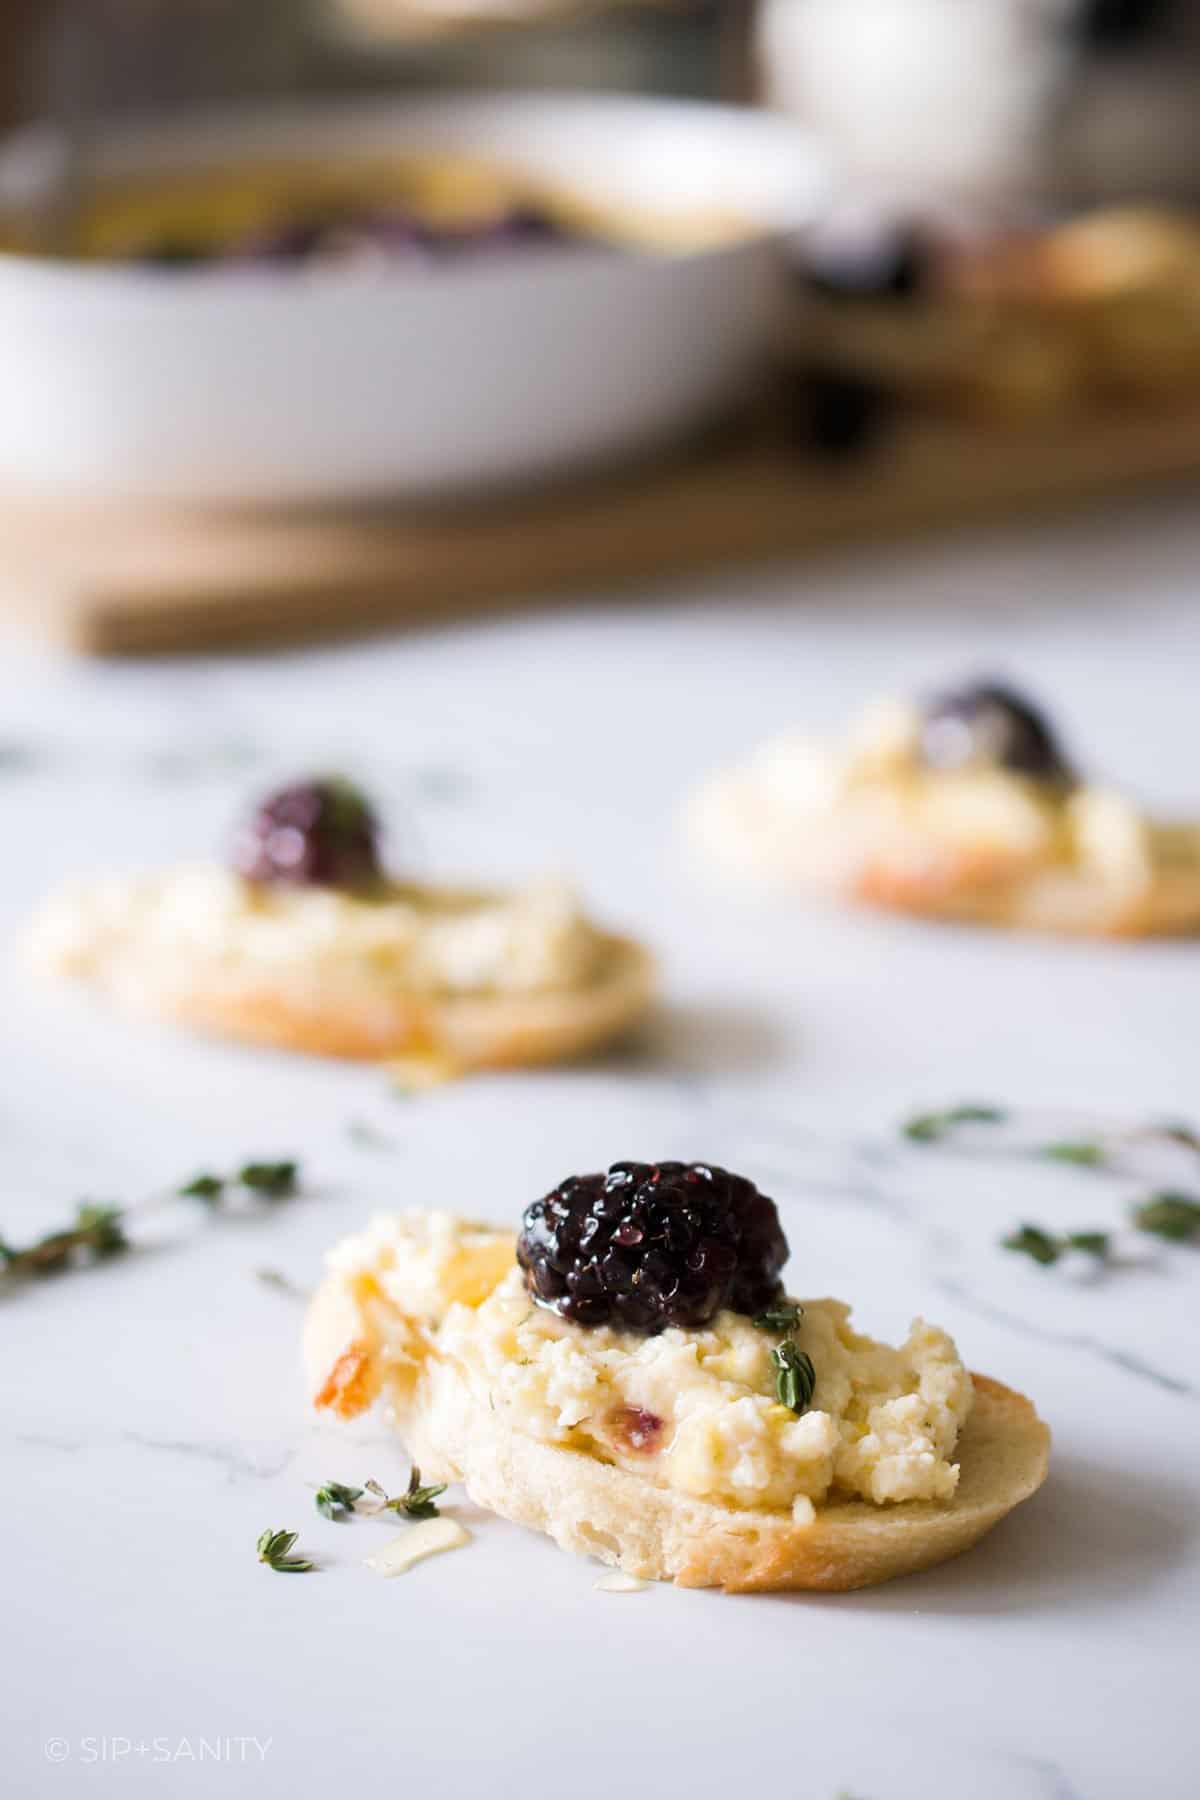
x=484, y=1031
x=659, y=1534
x=983, y=887
x=1066, y=902
x=291, y=1003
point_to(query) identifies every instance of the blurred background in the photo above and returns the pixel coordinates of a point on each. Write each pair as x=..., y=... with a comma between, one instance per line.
x=980, y=224
x=1100, y=92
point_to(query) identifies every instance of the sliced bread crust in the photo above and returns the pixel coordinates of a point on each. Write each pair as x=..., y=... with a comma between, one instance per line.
x=971, y=889
x=285, y=1011
x=657, y=1533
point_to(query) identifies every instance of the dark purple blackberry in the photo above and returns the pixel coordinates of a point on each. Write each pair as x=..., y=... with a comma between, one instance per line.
x=833, y=411
x=652, y=1244
x=990, y=725
x=316, y=834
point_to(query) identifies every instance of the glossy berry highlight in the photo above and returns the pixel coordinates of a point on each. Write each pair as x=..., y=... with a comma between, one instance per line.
x=990, y=725
x=315, y=834
x=650, y=1245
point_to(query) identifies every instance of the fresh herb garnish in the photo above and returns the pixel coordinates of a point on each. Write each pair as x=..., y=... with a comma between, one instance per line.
x=274, y=1549
x=1093, y=1243
x=795, y=1377
x=1084, y=1152
x=784, y=1315
x=203, y=1187
x=1031, y=1240
x=268, y=1180
x=1169, y=1215
x=1045, y=1247
x=98, y=1232
x=1100, y=1148
x=274, y=1180
x=928, y=1128
x=416, y=1502
x=335, y=1501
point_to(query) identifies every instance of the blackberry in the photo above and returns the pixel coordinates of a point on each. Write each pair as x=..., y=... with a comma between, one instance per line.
x=316, y=834
x=990, y=725
x=652, y=1244
x=833, y=411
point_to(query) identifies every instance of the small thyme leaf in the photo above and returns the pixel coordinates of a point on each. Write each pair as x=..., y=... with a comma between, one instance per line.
x=203, y=1187
x=1170, y=1215
x=929, y=1128
x=784, y=1315
x=795, y=1377
x=420, y=1502
x=274, y=1549
x=100, y=1230
x=336, y=1501
x=1094, y=1243
x=1083, y=1152
x=1031, y=1240
x=274, y=1180
x=416, y=1502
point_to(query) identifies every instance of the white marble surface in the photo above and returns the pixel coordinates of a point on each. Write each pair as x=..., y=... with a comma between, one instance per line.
x=153, y=1419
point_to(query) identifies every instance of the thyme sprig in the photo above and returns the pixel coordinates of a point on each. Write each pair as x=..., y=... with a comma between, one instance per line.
x=416, y=1502
x=1103, y=1147
x=335, y=1500
x=1172, y=1216
x=100, y=1231
x=97, y=1233
x=1047, y=1247
x=274, y=1549
x=932, y=1127
x=266, y=1180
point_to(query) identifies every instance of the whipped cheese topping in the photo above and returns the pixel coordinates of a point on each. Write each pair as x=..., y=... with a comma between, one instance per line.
x=416, y=939
x=691, y=1410
x=810, y=812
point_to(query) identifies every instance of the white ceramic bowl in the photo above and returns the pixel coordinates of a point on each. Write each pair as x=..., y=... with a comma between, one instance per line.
x=262, y=386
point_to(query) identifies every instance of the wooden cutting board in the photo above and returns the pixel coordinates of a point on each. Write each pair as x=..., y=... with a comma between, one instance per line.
x=117, y=582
